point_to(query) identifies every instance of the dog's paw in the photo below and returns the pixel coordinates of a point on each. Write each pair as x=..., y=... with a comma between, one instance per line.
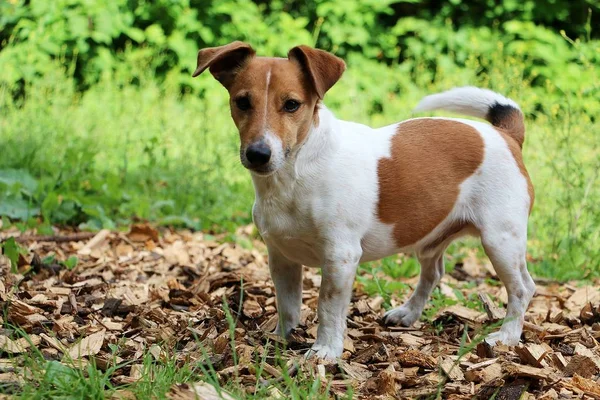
x=279, y=331
x=403, y=316
x=502, y=337
x=283, y=331
x=324, y=352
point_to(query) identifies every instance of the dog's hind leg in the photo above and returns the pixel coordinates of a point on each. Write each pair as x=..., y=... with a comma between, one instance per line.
x=505, y=244
x=432, y=270
x=287, y=276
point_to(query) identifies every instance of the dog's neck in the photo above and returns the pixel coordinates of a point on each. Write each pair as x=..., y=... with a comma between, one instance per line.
x=306, y=160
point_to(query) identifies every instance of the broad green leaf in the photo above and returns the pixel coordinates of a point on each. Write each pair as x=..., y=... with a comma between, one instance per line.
x=21, y=177
x=71, y=262
x=135, y=34
x=17, y=208
x=58, y=374
x=11, y=249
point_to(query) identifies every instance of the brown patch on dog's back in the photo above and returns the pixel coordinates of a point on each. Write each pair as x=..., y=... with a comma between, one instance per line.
x=419, y=184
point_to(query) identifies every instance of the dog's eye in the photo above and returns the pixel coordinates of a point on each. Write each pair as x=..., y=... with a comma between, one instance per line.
x=243, y=103
x=291, y=106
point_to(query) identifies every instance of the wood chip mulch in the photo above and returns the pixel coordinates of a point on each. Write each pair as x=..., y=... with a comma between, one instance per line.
x=165, y=293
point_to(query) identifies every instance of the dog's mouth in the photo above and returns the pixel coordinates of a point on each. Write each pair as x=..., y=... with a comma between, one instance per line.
x=264, y=170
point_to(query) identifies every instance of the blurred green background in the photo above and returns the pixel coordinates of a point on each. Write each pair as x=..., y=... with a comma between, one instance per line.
x=101, y=123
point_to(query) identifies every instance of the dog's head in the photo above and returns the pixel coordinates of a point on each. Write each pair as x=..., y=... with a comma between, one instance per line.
x=273, y=100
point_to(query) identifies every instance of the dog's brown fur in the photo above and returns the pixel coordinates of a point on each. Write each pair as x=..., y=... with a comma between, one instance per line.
x=419, y=184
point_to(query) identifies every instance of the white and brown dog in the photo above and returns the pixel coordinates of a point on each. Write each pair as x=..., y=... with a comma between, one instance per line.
x=332, y=193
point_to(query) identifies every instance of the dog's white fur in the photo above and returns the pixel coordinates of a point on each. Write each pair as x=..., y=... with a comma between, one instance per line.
x=319, y=209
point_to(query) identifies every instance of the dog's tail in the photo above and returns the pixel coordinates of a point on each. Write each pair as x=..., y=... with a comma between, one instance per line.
x=500, y=111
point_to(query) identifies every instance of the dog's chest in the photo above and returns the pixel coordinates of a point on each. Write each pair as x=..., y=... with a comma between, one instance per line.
x=291, y=226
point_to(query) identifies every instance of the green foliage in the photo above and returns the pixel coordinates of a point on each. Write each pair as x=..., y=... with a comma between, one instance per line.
x=17, y=188
x=71, y=262
x=102, y=123
x=95, y=37
x=11, y=249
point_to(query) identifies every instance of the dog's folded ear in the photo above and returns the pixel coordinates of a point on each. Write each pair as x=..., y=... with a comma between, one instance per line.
x=323, y=68
x=223, y=61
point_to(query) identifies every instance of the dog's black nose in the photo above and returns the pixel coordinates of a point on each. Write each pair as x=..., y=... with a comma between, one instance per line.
x=258, y=154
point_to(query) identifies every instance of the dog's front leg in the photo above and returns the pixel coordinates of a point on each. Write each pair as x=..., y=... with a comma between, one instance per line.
x=287, y=277
x=338, y=275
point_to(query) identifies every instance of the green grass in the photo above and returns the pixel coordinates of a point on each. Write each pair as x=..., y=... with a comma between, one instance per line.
x=118, y=152
x=44, y=378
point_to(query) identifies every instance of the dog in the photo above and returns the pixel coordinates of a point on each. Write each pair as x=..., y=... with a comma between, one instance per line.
x=333, y=194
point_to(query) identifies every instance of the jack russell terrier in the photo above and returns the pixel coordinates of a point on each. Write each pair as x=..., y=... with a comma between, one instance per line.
x=333, y=194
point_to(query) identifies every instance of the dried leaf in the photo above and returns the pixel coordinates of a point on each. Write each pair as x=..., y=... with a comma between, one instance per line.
x=252, y=309
x=169, y=294
x=527, y=371
x=452, y=370
x=13, y=346
x=142, y=233
x=581, y=365
x=89, y=345
x=415, y=358
x=533, y=354
x=94, y=242
x=587, y=385
x=199, y=390
x=493, y=312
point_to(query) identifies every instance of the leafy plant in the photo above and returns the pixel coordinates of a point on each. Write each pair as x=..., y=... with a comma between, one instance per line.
x=12, y=250
x=17, y=189
x=71, y=262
